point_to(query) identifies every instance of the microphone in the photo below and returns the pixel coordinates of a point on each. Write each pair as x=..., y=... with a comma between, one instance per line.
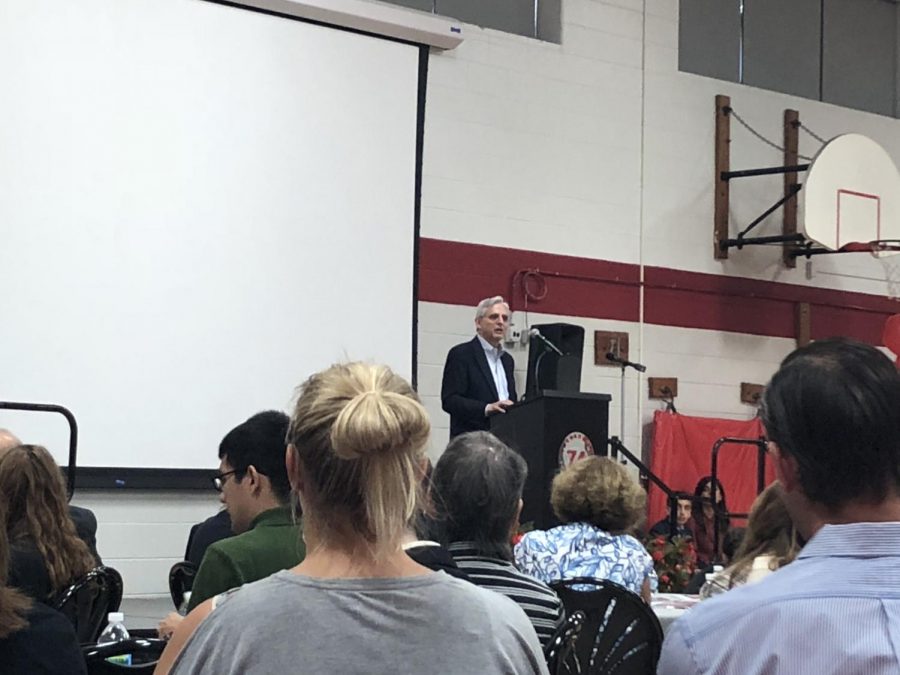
x=534, y=332
x=625, y=364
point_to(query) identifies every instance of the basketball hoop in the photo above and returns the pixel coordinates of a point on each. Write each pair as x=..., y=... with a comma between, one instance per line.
x=883, y=250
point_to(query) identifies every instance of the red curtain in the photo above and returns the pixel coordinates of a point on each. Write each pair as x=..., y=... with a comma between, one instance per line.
x=682, y=452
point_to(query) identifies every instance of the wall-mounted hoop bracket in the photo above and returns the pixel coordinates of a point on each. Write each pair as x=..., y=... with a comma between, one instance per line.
x=789, y=237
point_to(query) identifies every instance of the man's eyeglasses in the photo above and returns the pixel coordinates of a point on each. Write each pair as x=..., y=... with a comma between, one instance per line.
x=218, y=480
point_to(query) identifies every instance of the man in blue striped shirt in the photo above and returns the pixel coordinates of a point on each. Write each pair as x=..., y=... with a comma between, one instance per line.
x=832, y=414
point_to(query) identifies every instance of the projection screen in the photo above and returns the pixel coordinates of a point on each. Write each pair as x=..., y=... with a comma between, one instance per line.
x=200, y=205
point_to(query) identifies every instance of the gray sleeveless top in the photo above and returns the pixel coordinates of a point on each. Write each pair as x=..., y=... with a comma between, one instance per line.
x=426, y=624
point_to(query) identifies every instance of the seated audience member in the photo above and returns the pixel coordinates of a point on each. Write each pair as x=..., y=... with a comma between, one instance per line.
x=418, y=546
x=598, y=504
x=357, y=603
x=33, y=637
x=704, y=510
x=831, y=416
x=683, y=515
x=770, y=542
x=203, y=535
x=46, y=555
x=254, y=486
x=84, y=519
x=477, y=491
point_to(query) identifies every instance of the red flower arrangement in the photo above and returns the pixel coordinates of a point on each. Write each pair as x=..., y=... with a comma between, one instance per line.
x=675, y=562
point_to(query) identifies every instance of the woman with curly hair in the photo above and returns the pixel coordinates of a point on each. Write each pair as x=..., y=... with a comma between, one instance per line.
x=33, y=637
x=46, y=554
x=598, y=504
x=770, y=542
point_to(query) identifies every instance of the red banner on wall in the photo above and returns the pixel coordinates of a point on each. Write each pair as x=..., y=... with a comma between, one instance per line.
x=682, y=453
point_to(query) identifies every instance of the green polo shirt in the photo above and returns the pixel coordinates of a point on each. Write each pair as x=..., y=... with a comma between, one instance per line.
x=271, y=544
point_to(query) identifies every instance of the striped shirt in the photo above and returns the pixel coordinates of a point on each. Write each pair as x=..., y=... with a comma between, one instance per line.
x=540, y=603
x=836, y=609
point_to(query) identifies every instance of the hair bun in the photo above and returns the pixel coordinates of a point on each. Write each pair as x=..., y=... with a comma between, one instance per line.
x=376, y=421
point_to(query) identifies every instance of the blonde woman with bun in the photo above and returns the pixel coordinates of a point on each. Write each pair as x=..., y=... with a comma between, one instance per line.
x=357, y=603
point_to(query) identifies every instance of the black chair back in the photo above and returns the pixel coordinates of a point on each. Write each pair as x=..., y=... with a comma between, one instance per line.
x=87, y=602
x=621, y=634
x=559, y=649
x=144, y=655
x=181, y=580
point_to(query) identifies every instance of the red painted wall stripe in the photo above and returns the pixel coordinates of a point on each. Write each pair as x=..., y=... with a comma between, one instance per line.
x=462, y=274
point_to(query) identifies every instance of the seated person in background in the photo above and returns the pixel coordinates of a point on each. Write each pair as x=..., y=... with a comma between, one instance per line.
x=705, y=507
x=770, y=542
x=477, y=492
x=730, y=544
x=46, y=555
x=84, y=519
x=33, y=637
x=203, y=535
x=683, y=515
x=357, y=603
x=598, y=504
x=254, y=487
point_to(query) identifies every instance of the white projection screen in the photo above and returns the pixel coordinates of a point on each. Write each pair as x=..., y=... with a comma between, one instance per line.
x=200, y=205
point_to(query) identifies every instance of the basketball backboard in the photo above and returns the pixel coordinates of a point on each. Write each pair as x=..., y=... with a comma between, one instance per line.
x=851, y=196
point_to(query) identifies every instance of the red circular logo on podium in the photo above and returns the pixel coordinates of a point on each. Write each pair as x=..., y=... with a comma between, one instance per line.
x=575, y=446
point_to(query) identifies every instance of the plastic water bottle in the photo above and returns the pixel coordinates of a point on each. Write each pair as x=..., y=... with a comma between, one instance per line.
x=115, y=631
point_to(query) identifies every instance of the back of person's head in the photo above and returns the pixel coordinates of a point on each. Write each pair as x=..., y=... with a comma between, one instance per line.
x=476, y=487
x=13, y=604
x=33, y=492
x=598, y=491
x=770, y=531
x=260, y=442
x=8, y=440
x=359, y=433
x=731, y=542
x=833, y=407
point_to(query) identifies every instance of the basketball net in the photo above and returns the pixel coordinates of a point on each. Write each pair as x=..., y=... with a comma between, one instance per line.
x=885, y=252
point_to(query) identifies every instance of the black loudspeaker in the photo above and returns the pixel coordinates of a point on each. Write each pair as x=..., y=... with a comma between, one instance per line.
x=549, y=370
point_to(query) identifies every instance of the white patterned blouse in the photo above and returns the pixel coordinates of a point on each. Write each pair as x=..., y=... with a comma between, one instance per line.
x=582, y=550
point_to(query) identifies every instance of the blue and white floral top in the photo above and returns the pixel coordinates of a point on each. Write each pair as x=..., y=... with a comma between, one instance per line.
x=582, y=550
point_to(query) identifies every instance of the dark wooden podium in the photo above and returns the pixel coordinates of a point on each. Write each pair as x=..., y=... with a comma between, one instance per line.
x=551, y=430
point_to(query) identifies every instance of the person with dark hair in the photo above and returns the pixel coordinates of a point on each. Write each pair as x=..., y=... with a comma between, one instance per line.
x=832, y=416
x=33, y=637
x=84, y=519
x=253, y=484
x=599, y=504
x=706, y=509
x=46, y=554
x=683, y=514
x=358, y=603
x=477, y=490
x=478, y=375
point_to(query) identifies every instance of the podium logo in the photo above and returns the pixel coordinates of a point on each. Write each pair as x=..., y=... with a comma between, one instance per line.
x=575, y=446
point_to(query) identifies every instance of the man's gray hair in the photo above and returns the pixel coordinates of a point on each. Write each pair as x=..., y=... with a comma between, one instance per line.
x=483, y=306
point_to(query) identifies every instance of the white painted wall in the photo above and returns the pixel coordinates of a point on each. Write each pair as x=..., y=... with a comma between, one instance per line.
x=597, y=147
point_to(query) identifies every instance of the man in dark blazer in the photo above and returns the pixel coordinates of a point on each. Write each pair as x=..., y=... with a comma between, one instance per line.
x=478, y=375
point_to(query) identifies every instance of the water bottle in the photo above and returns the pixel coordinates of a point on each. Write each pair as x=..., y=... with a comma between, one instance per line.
x=115, y=631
